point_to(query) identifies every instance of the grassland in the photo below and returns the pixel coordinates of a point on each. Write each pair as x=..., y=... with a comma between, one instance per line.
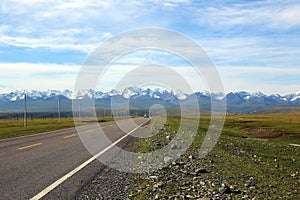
x=266, y=158
x=274, y=127
x=237, y=167
x=15, y=128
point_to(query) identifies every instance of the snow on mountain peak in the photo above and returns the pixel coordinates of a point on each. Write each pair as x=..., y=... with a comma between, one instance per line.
x=295, y=96
x=156, y=93
x=131, y=91
x=179, y=94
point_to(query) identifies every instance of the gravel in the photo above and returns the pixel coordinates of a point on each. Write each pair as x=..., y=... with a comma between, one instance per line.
x=109, y=184
x=188, y=182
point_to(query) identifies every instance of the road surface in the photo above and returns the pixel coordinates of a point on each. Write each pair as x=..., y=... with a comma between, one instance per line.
x=30, y=165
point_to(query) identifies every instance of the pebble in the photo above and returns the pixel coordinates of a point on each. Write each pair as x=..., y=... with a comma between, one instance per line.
x=250, y=183
x=168, y=159
x=153, y=177
x=294, y=174
x=224, y=189
x=201, y=170
x=189, y=196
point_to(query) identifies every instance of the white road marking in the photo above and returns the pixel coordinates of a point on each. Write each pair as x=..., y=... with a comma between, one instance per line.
x=295, y=145
x=74, y=171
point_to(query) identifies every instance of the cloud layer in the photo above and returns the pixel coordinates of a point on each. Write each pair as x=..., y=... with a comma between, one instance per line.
x=254, y=44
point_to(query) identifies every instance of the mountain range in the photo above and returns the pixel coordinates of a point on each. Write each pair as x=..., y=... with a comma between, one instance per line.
x=237, y=102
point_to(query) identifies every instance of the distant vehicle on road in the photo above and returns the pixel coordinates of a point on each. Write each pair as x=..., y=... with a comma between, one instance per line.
x=146, y=115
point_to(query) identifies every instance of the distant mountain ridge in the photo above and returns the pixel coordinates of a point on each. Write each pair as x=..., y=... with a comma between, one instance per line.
x=68, y=94
x=237, y=102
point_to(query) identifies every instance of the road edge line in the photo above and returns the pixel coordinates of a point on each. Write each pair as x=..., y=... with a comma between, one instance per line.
x=77, y=169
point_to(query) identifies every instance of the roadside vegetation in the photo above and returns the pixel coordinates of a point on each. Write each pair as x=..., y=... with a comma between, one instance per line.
x=252, y=160
x=15, y=128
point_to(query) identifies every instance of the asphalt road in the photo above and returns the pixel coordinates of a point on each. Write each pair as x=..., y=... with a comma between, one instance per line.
x=30, y=164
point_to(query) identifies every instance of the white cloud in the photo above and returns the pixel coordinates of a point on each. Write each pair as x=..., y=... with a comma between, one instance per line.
x=238, y=71
x=266, y=79
x=235, y=78
x=258, y=50
x=64, y=43
x=4, y=28
x=60, y=24
x=81, y=25
x=106, y=35
x=52, y=76
x=287, y=17
x=272, y=14
x=259, y=33
x=184, y=78
x=37, y=76
x=37, y=68
x=73, y=24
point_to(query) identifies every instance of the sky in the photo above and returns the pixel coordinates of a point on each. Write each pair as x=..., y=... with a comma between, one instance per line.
x=255, y=45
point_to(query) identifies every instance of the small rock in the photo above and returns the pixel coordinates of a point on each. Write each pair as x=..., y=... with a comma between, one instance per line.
x=189, y=196
x=224, y=189
x=153, y=177
x=173, y=146
x=201, y=170
x=168, y=159
x=294, y=174
x=157, y=185
x=235, y=190
x=250, y=183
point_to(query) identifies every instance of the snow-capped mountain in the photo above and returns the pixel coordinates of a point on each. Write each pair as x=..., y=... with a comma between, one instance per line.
x=259, y=97
x=35, y=95
x=241, y=102
x=294, y=97
x=127, y=93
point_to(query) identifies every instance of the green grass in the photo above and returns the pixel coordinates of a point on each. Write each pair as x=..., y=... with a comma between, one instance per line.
x=275, y=127
x=273, y=164
x=14, y=128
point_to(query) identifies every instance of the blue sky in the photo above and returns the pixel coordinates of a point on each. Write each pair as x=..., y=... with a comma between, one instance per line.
x=255, y=45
